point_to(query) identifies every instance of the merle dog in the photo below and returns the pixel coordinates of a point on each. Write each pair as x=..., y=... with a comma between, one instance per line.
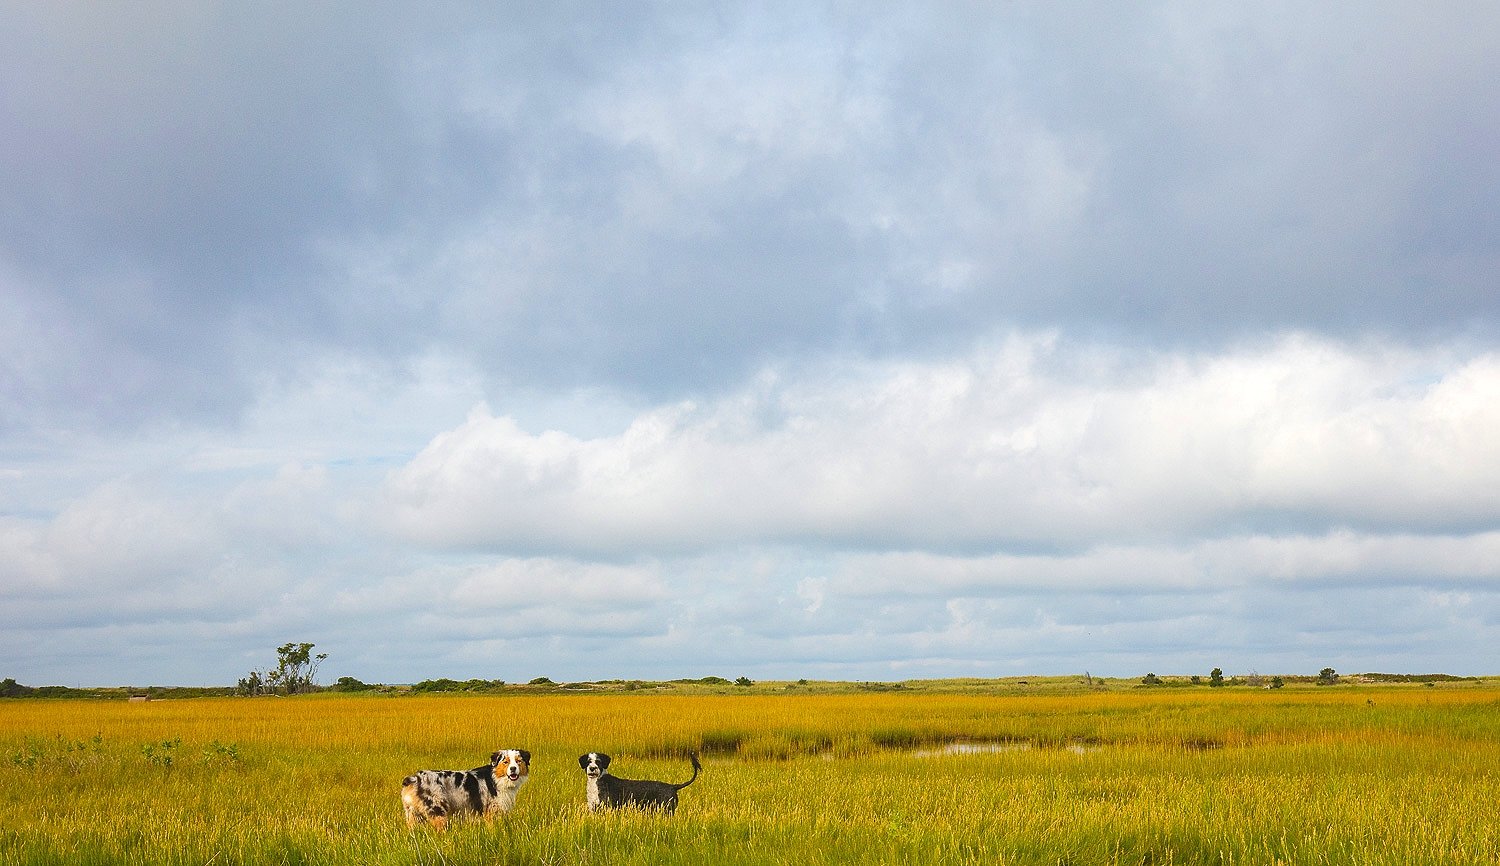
x=611, y=792
x=434, y=795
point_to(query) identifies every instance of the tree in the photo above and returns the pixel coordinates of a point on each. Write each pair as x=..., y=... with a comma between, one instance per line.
x=743, y=682
x=296, y=671
x=297, y=667
x=252, y=684
x=1327, y=677
x=1215, y=678
x=1150, y=680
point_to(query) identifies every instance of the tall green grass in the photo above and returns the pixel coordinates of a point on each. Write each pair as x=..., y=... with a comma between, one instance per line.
x=1307, y=776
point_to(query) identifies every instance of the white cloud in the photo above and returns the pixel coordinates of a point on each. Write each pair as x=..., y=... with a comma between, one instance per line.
x=511, y=599
x=25, y=564
x=1010, y=448
x=121, y=533
x=586, y=589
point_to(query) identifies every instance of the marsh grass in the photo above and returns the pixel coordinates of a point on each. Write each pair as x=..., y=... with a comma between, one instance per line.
x=1315, y=776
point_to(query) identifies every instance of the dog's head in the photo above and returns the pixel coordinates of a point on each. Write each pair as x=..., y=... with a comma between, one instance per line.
x=513, y=764
x=594, y=764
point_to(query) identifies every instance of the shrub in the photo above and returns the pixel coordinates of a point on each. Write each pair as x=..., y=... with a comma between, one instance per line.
x=350, y=684
x=444, y=684
x=9, y=688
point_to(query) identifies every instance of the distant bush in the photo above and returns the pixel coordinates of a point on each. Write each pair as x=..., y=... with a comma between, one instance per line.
x=9, y=688
x=350, y=684
x=1414, y=678
x=62, y=692
x=743, y=681
x=1150, y=680
x=441, y=684
x=446, y=685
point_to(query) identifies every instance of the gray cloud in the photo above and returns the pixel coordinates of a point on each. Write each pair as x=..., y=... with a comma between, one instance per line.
x=663, y=202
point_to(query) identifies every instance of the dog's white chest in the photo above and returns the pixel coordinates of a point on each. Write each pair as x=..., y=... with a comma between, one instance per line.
x=505, y=795
x=593, y=792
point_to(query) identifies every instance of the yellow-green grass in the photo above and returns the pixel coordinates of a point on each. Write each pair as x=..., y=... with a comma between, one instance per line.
x=1368, y=775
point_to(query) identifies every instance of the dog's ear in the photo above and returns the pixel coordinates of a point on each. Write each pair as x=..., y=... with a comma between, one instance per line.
x=603, y=761
x=525, y=755
x=495, y=758
x=583, y=762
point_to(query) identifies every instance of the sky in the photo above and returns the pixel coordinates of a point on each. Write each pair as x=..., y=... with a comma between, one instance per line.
x=861, y=341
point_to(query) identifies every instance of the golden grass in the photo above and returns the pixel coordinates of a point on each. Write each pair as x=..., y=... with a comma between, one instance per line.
x=1369, y=775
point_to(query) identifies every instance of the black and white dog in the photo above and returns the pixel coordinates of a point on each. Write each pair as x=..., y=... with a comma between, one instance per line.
x=435, y=795
x=611, y=792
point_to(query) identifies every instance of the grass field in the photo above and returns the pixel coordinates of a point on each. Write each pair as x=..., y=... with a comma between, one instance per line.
x=1342, y=775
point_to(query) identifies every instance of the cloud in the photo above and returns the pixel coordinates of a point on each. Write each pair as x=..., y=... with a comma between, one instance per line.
x=1242, y=562
x=132, y=551
x=1033, y=505
x=1005, y=450
x=661, y=203
x=118, y=534
x=858, y=341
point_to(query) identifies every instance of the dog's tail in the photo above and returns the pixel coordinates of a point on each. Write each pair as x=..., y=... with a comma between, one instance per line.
x=696, y=768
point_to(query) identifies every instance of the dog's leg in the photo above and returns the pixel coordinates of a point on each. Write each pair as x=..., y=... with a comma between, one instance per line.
x=409, y=802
